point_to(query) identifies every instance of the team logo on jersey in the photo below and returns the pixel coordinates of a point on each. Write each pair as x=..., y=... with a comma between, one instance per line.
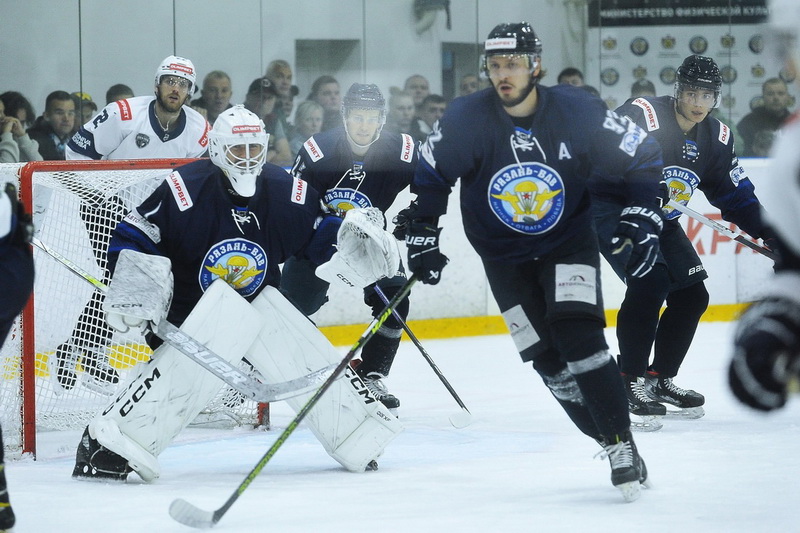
x=239, y=262
x=343, y=200
x=142, y=140
x=681, y=183
x=528, y=198
x=690, y=150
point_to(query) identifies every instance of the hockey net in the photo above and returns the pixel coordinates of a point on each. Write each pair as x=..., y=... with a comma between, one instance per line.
x=75, y=207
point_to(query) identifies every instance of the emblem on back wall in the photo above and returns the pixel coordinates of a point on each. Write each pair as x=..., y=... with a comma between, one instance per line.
x=698, y=44
x=142, y=140
x=639, y=46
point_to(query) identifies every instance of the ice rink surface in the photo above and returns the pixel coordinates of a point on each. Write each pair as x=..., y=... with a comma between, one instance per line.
x=519, y=467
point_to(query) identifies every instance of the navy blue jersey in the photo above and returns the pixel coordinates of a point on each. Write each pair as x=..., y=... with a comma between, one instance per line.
x=191, y=219
x=703, y=159
x=524, y=189
x=346, y=181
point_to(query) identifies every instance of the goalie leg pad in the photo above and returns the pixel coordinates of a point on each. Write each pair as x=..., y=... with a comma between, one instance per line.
x=353, y=427
x=169, y=391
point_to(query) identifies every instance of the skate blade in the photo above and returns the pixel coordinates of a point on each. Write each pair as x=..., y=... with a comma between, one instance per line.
x=645, y=423
x=630, y=490
x=688, y=413
x=100, y=387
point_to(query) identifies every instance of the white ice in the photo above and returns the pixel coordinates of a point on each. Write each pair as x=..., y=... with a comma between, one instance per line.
x=520, y=466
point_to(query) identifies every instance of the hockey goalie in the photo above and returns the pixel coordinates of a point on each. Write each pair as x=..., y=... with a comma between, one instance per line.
x=202, y=252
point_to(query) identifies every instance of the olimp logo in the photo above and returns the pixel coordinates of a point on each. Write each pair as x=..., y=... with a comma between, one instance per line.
x=528, y=198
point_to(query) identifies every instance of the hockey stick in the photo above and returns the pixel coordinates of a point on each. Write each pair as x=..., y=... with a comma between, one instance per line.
x=190, y=515
x=247, y=385
x=725, y=230
x=464, y=418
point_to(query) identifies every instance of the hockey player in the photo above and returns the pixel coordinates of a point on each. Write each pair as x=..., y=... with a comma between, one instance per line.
x=767, y=342
x=143, y=127
x=698, y=153
x=16, y=284
x=525, y=209
x=220, y=228
x=357, y=165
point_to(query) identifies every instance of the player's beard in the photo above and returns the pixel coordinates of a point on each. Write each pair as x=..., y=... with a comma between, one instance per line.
x=168, y=105
x=522, y=96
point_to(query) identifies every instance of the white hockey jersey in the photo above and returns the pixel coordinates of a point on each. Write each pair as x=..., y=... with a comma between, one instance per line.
x=129, y=129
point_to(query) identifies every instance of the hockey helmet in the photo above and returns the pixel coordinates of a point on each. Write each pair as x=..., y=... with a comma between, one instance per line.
x=699, y=72
x=177, y=66
x=237, y=126
x=364, y=96
x=512, y=38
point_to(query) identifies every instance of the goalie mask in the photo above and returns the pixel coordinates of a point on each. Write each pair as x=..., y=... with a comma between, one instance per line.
x=363, y=97
x=179, y=67
x=238, y=145
x=699, y=72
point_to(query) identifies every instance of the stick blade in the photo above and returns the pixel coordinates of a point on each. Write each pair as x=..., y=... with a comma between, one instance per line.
x=186, y=513
x=462, y=419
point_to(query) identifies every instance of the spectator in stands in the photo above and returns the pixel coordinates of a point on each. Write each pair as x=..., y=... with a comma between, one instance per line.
x=767, y=117
x=53, y=129
x=15, y=144
x=20, y=107
x=470, y=83
x=401, y=111
x=571, y=76
x=643, y=87
x=216, y=94
x=118, y=91
x=307, y=122
x=419, y=88
x=85, y=109
x=261, y=99
x=287, y=106
x=432, y=109
x=279, y=72
x=326, y=92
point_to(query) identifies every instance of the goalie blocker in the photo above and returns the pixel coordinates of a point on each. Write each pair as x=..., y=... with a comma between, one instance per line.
x=170, y=390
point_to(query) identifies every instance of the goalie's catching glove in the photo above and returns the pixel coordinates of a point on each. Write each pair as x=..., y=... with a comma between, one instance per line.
x=638, y=228
x=424, y=257
x=767, y=347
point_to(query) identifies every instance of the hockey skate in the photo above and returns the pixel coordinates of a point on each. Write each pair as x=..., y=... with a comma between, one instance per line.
x=61, y=365
x=7, y=518
x=95, y=462
x=645, y=412
x=98, y=375
x=375, y=385
x=628, y=471
x=688, y=402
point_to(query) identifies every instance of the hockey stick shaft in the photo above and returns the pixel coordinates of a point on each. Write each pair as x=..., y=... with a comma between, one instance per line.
x=196, y=351
x=422, y=350
x=186, y=513
x=722, y=228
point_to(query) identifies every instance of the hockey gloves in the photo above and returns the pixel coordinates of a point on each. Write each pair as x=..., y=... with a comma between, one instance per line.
x=424, y=258
x=402, y=220
x=767, y=353
x=638, y=228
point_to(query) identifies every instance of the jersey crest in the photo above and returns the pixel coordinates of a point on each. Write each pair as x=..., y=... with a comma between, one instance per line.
x=343, y=200
x=681, y=183
x=239, y=262
x=528, y=198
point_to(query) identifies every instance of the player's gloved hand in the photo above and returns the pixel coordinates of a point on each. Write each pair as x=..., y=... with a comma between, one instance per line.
x=767, y=353
x=638, y=228
x=402, y=220
x=425, y=259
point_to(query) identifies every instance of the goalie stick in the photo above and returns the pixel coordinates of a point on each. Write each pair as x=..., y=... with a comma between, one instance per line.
x=460, y=420
x=190, y=515
x=247, y=385
x=722, y=228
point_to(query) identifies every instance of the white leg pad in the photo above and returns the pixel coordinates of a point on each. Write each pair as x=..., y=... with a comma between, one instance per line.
x=170, y=390
x=353, y=427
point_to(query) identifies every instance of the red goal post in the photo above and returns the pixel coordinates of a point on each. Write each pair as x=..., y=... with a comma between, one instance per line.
x=75, y=206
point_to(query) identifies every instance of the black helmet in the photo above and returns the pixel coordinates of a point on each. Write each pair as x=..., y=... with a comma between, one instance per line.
x=363, y=96
x=513, y=37
x=701, y=72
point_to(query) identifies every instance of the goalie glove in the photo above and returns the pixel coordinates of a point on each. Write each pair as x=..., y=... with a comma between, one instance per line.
x=638, y=228
x=767, y=347
x=424, y=258
x=139, y=293
x=365, y=251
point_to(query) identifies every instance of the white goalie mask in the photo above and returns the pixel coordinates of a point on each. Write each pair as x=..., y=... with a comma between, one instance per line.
x=238, y=145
